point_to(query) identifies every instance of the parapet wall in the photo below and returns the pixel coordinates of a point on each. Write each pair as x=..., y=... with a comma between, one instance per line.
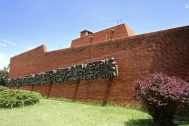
x=136, y=56
x=115, y=32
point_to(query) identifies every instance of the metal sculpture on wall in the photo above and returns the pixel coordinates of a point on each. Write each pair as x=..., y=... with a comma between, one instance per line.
x=103, y=68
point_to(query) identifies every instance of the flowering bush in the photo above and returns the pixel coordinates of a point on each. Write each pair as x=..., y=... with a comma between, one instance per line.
x=162, y=94
x=187, y=79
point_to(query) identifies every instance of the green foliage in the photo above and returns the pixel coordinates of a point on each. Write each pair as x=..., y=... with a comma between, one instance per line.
x=16, y=98
x=135, y=106
x=3, y=75
x=3, y=88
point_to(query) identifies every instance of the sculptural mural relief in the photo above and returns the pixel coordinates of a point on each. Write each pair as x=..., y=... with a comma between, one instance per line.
x=102, y=68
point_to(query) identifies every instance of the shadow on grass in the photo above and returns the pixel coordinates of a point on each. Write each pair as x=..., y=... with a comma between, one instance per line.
x=139, y=122
x=179, y=120
x=94, y=103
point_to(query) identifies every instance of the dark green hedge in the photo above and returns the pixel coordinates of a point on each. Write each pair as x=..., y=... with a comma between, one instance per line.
x=15, y=98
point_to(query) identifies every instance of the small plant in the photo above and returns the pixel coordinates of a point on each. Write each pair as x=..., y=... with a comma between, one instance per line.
x=3, y=88
x=16, y=98
x=162, y=95
x=135, y=106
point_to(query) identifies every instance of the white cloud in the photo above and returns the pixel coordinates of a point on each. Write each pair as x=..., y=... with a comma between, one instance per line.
x=12, y=43
x=1, y=55
x=4, y=60
x=1, y=44
x=186, y=6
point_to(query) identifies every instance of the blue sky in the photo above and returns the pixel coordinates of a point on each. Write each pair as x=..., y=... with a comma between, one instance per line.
x=26, y=24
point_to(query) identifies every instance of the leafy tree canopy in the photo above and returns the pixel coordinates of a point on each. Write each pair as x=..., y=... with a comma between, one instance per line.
x=4, y=74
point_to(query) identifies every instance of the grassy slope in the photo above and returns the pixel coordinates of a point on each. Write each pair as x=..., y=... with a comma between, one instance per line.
x=62, y=113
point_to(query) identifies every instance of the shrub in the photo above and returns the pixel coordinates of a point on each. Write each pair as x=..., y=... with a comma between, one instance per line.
x=162, y=94
x=187, y=79
x=2, y=88
x=16, y=98
x=3, y=75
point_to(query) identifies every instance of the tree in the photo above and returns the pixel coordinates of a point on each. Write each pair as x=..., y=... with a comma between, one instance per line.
x=4, y=74
x=162, y=95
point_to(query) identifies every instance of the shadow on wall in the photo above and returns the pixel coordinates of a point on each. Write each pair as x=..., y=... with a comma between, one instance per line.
x=106, y=93
x=76, y=90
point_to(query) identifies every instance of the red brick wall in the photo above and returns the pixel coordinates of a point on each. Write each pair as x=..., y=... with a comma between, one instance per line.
x=136, y=56
x=120, y=31
x=27, y=63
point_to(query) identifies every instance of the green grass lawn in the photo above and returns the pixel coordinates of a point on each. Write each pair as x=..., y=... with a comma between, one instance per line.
x=64, y=113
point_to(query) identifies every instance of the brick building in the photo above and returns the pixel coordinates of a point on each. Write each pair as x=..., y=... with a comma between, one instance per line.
x=136, y=56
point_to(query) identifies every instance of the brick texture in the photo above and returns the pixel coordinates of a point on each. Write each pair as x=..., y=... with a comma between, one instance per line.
x=137, y=56
x=119, y=31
